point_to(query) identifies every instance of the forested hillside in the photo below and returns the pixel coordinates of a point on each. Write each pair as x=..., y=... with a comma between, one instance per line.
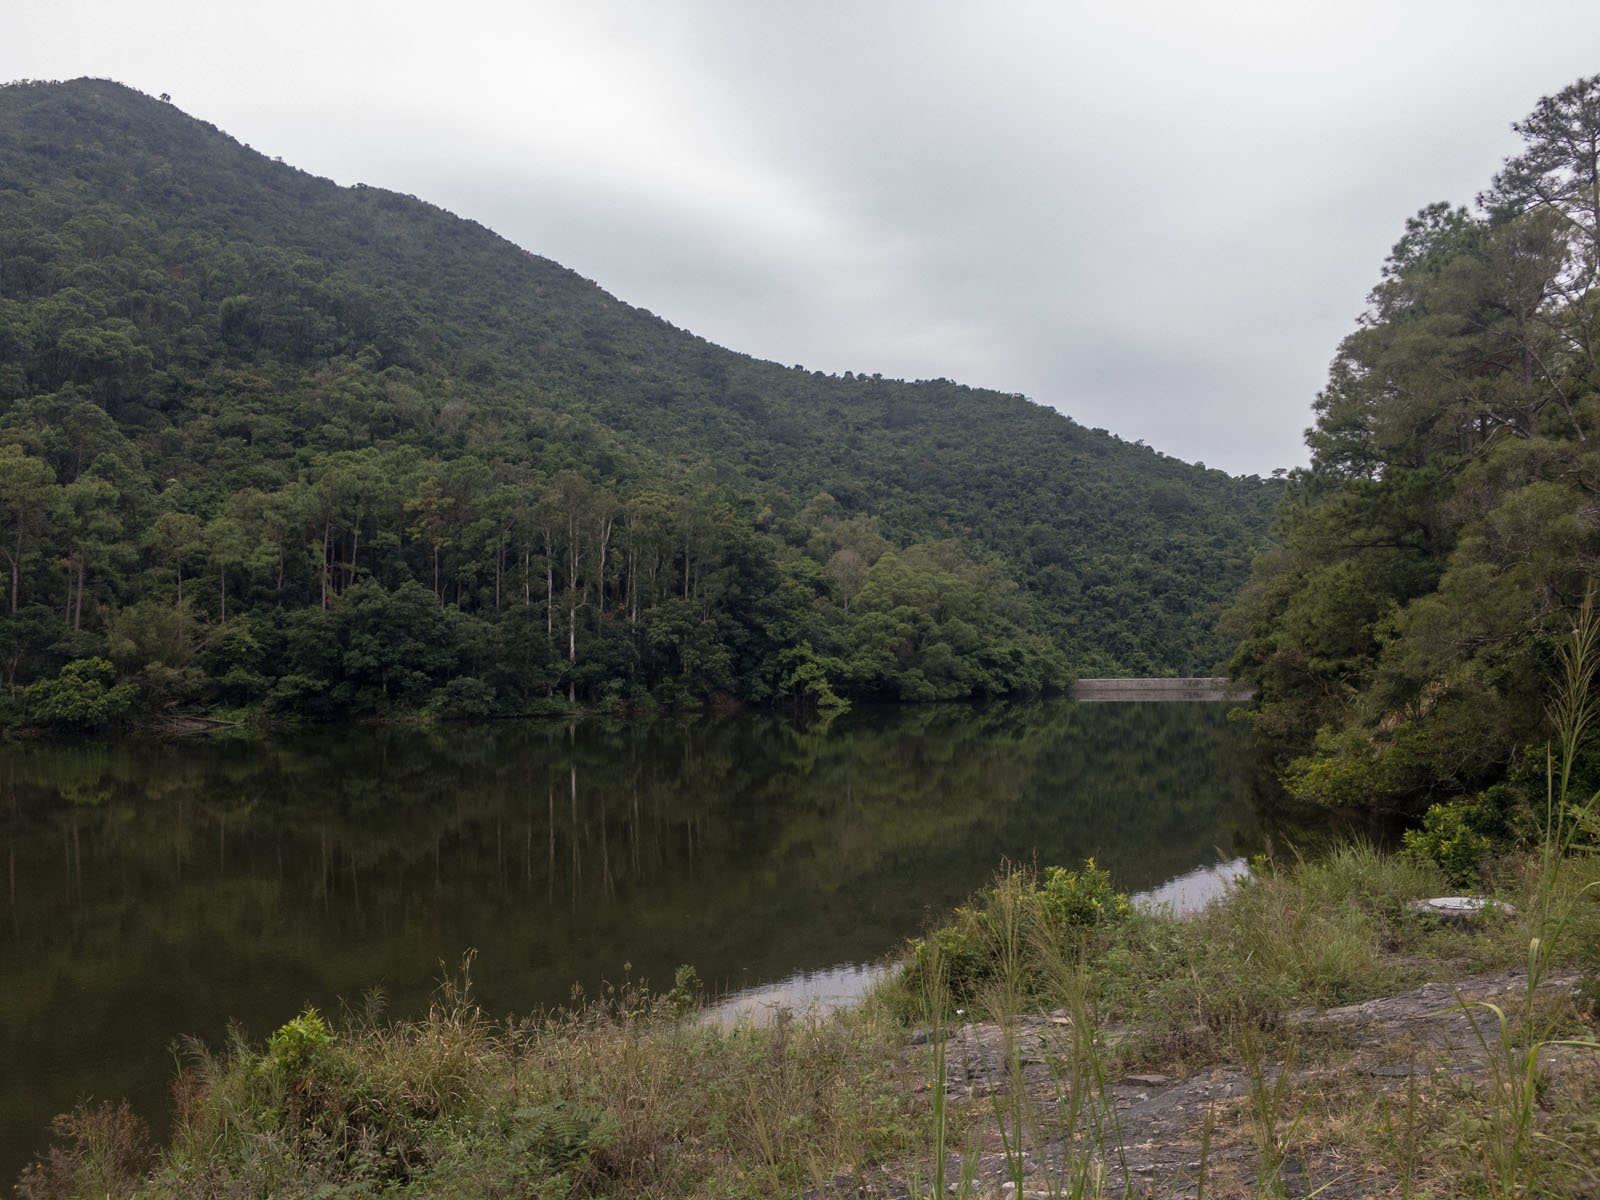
x=268, y=442
x=1448, y=527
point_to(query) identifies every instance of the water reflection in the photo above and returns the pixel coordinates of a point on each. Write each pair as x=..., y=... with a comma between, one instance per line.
x=805, y=991
x=161, y=889
x=1194, y=889
x=846, y=983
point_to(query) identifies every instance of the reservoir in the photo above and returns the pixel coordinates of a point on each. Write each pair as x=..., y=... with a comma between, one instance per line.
x=155, y=890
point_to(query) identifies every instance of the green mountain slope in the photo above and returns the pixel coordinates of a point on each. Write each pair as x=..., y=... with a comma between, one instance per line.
x=249, y=414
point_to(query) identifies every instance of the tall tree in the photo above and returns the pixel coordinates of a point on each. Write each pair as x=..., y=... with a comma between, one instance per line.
x=175, y=539
x=90, y=525
x=28, y=496
x=1447, y=521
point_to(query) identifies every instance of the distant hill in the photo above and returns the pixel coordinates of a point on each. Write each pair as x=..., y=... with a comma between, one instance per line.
x=270, y=441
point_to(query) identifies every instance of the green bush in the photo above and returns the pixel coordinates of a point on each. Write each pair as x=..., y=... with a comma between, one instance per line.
x=558, y=1140
x=1448, y=840
x=1016, y=931
x=688, y=991
x=298, y=1049
x=950, y=956
x=1083, y=898
x=463, y=698
x=83, y=695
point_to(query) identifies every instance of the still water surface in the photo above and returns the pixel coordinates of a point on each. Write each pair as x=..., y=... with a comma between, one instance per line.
x=161, y=889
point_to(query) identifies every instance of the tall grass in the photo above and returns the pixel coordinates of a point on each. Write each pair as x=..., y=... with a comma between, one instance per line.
x=1019, y=934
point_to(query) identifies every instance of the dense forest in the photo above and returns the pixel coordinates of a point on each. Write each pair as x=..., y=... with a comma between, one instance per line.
x=270, y=444
x=1446, y=532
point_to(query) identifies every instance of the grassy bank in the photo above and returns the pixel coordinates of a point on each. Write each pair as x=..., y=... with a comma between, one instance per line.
x=632, y=1097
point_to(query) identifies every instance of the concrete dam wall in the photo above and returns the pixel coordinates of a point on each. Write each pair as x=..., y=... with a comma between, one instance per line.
x=1198, y=688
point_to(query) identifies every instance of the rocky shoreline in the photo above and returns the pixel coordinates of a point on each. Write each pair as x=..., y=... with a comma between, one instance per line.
x=1418, y=1041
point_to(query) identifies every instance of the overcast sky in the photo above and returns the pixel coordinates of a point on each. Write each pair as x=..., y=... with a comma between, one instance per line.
x=1159, y=217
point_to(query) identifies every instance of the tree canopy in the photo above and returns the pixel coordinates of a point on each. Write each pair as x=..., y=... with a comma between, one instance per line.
x=1447, y=528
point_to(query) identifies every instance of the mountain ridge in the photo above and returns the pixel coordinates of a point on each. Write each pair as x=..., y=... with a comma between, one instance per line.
x=225, y=300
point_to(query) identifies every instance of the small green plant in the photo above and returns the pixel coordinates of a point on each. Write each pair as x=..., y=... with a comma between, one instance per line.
x=1448, y=840
x=1012, y=931
x=949, y=955
x=687, y=992
x=99, y=1152
x=560, y=1138
x=934, y=995
x=1085, y=898
x=1401, y=1134
x=1084, y=1110
x=296, y=1051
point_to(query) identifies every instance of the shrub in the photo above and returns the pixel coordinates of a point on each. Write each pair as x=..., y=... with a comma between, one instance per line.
x=1083, y=898
x=1016, y=931
x=100, y=1151
x=949, y=955
x=688, y=991
x=298, y=1049
x=1448, y=840
x=81, y=696
x=463, y=698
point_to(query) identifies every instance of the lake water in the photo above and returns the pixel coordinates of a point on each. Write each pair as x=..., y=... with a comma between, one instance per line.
x=157, y=889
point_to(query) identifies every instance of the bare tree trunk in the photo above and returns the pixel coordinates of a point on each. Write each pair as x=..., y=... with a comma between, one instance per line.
x=549, y=587
x=633, y=585
x=574, y=560
x=606, y=524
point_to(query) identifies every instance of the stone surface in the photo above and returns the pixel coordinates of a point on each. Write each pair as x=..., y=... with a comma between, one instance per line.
x=1460, y=910
x=1435, y=1031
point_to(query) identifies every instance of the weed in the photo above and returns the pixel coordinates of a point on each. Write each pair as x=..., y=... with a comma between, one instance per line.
x=104, y=1152
x=935, y=999
x=1401, y=1134
x=297, y=1050
x=1271, y=1123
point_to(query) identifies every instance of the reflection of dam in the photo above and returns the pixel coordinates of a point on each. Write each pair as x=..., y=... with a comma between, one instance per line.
x=1197, y=688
